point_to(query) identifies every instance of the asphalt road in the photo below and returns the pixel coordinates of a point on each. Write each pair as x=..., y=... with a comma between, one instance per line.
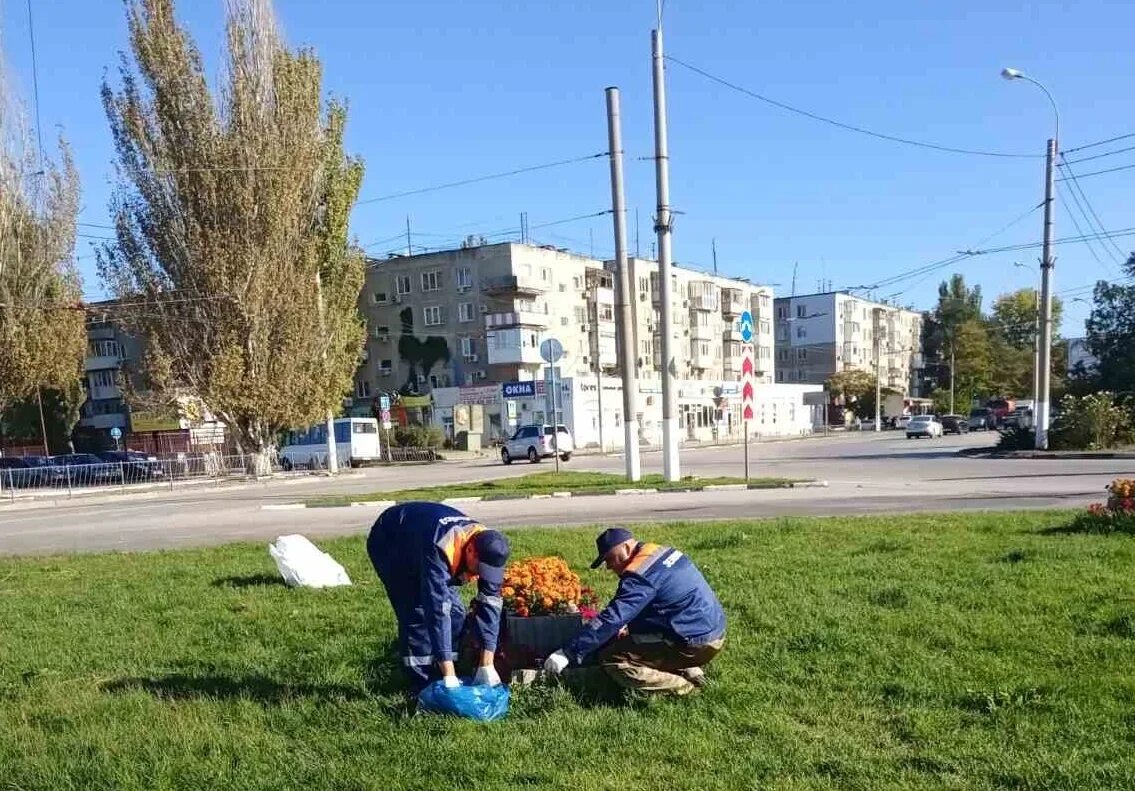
x=882, y=473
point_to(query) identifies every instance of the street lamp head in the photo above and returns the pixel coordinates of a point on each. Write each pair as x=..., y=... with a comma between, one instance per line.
x=1011, y=74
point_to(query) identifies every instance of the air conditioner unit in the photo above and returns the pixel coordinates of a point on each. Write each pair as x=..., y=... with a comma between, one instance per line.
x=585, y=328
x=642, y=296
x=484, y=309
x=396, y=299
x=472, y=358
x=481, y=375
x=463, y=289
x=384, y=337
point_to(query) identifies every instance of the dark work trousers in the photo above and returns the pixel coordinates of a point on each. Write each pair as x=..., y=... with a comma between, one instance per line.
x=404, y=589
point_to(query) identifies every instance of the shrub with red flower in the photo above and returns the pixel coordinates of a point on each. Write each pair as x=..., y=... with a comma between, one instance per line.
x=546, y=586
x=1116, y=516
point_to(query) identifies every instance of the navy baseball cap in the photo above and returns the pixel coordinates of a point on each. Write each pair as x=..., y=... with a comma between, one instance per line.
x=492, y=555
x=608, y=540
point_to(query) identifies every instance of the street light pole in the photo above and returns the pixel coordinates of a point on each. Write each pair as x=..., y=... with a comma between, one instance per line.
x=1044, y=352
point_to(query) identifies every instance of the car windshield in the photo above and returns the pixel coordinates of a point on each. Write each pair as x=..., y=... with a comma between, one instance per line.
x=548, y=430
x=980, y=412
x=921, y=419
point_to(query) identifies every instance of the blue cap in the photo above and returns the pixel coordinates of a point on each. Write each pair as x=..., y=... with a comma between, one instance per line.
x=492, y=555
x=608, y=540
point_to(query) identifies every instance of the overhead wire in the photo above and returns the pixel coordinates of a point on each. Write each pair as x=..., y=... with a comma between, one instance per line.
x=1099, y=143
x=479, y=179
x=848, y=127
x=1076, y=187
x=1079, y=230
x=1099, y=172
x=1098, y=156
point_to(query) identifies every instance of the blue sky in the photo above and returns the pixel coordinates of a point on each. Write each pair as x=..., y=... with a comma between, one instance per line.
x=441, y=90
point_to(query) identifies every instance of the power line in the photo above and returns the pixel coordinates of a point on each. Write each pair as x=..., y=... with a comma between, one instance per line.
x=515, y=230
x=1079, y=230
x=1099, y=143
x=842, y=125
x=478, y=179
x=1099, y=172
x=1076, y=188
x=1098, y=156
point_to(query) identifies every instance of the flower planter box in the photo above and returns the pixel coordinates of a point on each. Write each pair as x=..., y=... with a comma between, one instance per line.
x=528, y=640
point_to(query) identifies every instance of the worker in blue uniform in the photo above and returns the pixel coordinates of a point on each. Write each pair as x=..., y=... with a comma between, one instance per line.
x=422, y=552
x=661, y=628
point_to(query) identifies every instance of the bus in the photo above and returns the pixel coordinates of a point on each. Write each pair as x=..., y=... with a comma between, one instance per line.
x=356, y=443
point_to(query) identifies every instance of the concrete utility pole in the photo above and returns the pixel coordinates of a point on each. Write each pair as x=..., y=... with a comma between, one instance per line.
x=1044, y=357
x=332, y=451
x=878, y=315
x=627, y=345
x=670, y=465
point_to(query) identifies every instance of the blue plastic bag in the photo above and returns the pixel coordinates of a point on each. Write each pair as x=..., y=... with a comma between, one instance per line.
x=478, y=702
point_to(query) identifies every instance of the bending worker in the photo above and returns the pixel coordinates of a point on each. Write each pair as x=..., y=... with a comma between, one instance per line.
x=422, y=552
x=663, y=626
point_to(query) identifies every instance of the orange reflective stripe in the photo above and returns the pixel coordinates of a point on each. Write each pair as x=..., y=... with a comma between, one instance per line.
x=453, y=544
x=643, y=557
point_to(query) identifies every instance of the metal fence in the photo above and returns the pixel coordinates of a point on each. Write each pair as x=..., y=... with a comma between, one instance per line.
x=69, y=479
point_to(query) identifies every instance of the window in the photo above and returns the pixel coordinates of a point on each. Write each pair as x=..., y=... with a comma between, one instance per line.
x=782, y=355
x=432, y=315
x=782, y=311
x=468, y=347
x=382, y=333
x=644, y=284
x=563, y=288
x=362, y=389
x=545, y=274
x=363, y=427
x=385, y=367
x=607, y=312
x=763, y=352
x=577, y=283
x=801, y=332
x=765, y=328
x=580, y=314
x=801, y=354
x=705, y=350
x=464, y=277
x=378, y=297
x=465, y=312
x=564, y=321
x=431, y=281
x=800, y=312
x=102, y=379
x=104, y=348
x=646, y=348
x=402, y=284
x=764, y=301
x=780, y=376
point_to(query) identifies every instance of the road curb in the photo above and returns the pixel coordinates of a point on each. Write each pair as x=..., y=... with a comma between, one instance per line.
x=492, y=498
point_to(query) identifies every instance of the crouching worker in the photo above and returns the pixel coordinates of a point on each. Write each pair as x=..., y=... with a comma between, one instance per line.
x=422, y=552
x=663, y=626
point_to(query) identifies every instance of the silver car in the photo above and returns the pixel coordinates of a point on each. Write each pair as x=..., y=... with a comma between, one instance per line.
x=923, y=426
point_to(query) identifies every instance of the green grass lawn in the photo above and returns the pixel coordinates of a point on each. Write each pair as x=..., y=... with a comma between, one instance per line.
x=547, y=483
x=963, y=651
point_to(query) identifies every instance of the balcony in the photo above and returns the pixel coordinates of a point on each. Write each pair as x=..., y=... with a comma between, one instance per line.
x=732, y=302
x=732, y=334
x=702, y=362
x=708, y=302
x=701, y=332
x=513, y=347
x=513, y=285
x=520, y=318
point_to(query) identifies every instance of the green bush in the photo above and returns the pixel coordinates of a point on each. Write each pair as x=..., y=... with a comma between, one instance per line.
x=418, y=437
x=1092, y=422
x=1016, y=438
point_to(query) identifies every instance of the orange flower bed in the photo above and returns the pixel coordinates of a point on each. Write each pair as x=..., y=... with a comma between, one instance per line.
x=545, y=586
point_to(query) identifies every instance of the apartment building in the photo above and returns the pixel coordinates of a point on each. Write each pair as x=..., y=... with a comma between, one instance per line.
x=818, y=335
x=706, y=312
x=478, y=315
x=108, y=348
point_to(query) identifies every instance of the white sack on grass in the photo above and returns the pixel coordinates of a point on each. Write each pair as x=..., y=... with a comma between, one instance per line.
x=303, y=564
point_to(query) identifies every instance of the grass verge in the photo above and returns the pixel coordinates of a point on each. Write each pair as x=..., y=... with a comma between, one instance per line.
x=953, y=651
x=547, y=483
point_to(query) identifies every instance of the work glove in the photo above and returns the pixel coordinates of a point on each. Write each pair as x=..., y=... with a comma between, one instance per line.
x=556, y=663
x=451, y=682
x=487, y=675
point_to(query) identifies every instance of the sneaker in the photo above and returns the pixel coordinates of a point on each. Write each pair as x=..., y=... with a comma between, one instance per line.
x=695, y=675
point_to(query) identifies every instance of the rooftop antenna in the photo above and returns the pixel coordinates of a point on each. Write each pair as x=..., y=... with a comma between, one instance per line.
x=795, y=266
x=713, y=245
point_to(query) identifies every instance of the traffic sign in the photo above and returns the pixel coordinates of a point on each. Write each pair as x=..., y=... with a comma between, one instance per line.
x=116, y=433
x=519, y=389
x=384, y=403
x=386, y=419
x=747, y=366
x=748, y=371
x=747, y=327
x=551, y=350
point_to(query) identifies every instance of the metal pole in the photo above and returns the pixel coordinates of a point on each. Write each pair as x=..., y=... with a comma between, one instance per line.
x=952, y=410
x=877, y=315
x=626, y=335
x=746, y=450
x=670, y=465
x=555, y=418
x=1044, y=364
x=42, y=422
x=1036, y=349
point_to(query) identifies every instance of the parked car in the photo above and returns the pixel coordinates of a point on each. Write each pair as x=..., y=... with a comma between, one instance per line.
x=538, y=442
x=136, y=466
x=923, y=426
x=982, y=419
x=24, y=472
x=955, y=424
x=84, y=469
x=901, y=421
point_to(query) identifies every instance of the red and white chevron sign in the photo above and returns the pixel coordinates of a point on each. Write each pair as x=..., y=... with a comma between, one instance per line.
x=747, y=369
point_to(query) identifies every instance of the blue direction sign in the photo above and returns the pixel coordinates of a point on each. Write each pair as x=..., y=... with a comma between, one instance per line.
x=747, y=327
x=384, y=403
x=116, y=433
x=519, y=389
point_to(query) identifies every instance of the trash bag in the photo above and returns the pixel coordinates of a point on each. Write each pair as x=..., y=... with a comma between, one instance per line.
x=478, y=702
x=302, y=563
